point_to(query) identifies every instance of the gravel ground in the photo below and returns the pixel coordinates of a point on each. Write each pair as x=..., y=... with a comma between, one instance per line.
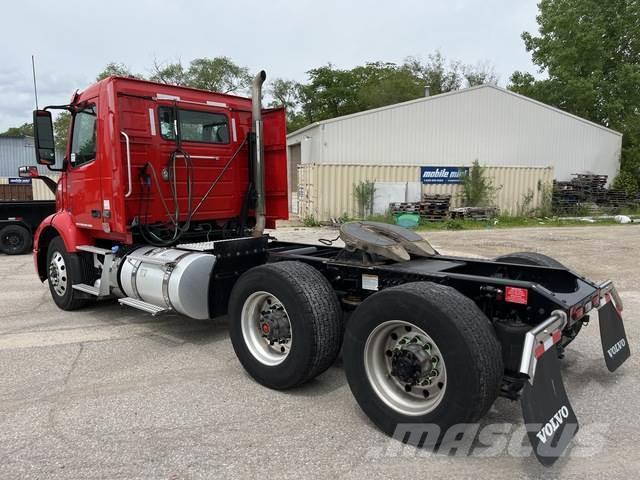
x=110, y=392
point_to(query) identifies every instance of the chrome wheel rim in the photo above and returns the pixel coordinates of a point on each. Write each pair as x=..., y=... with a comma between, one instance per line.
x=58, y=274
x=266, y=328
x=394, y=344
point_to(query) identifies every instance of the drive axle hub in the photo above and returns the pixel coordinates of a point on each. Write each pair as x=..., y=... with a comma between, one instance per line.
x=411, y=363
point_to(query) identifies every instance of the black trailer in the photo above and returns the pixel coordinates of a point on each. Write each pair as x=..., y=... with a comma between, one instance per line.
x=20, y=219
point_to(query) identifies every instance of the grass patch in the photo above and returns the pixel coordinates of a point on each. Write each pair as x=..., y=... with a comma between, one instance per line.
x=511, y=222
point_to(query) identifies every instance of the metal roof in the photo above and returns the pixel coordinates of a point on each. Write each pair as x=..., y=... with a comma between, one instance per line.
x=442, y=95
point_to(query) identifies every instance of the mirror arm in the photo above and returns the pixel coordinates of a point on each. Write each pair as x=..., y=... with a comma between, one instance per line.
x=50, y=183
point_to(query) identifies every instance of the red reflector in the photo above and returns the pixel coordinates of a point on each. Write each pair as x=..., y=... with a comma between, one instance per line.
x=557, y=335
x=539, y=351
x=516, y=295
x=595, y=301
x=577, y=313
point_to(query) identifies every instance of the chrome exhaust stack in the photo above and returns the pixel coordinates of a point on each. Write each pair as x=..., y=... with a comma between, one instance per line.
x=258, y=163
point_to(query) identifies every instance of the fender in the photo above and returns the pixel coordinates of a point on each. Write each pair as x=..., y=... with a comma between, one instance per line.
x=58, y=224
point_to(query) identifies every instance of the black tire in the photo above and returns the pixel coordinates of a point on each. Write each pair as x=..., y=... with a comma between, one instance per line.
x=532, y=258
x=464, y=337
x=529, y=258
x=314, y=314
x=15, y=240
x=75, y=269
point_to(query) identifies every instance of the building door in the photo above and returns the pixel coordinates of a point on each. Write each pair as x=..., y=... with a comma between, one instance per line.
x=295, y=158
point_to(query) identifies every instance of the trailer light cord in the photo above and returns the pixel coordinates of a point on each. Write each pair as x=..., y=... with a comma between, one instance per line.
x=328, y=242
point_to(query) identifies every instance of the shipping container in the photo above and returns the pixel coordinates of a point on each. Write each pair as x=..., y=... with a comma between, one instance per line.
x=39, y=191
x=327, y=191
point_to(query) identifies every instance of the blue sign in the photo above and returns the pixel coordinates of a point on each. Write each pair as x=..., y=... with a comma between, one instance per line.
x=431, y=175
x=19, y=181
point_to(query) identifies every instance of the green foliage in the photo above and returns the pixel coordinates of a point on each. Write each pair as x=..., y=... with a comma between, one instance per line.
x=626, y=181
x=116, y=69
x=477, y=189
x=24, y=130
x=589, y=51
x=310, y=221
x=524, y=207
x=332, y=92
x=454, y=224
x=61, y=129
x=546, y=202
x=219, y=74
x=363, y=193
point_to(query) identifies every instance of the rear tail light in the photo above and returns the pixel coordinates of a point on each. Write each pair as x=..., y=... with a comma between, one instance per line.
x=577, y=313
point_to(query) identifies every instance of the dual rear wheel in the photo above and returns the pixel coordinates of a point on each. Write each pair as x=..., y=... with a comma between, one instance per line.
x=416, y=353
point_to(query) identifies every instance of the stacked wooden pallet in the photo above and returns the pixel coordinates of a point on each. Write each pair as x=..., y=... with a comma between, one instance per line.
x=475, y=213
x=587, y=194
x=432, y=208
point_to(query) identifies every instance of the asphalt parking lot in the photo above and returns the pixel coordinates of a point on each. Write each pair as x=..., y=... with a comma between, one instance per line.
x=110, y=392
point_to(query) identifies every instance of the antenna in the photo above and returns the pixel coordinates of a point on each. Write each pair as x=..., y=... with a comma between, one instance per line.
x=35, y=85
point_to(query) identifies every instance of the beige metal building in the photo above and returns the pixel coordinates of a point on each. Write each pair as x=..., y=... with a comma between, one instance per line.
x=326, y=191
x=495, y=126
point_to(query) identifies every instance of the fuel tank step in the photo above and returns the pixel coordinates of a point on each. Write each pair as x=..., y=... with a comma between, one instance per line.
x=90, y=289
x=144, y=306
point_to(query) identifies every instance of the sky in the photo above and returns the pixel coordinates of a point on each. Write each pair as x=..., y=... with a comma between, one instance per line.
x=73, y=40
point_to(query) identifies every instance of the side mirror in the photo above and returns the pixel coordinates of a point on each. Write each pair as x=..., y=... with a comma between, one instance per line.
x=28, y=171
x=44, y=140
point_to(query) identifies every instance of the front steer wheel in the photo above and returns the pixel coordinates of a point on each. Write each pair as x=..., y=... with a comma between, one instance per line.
x=422, y=354
x=64, y=270
x=286, y=323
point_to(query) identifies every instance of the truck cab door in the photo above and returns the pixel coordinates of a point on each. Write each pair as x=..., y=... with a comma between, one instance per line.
x=84, y=193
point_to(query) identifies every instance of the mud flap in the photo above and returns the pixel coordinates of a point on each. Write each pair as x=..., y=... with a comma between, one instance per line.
x=615, y=345
x=550, y=420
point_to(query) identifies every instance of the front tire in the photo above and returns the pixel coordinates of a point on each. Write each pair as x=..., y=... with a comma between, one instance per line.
x=64, y=270
x=286, y=323
x=15, y=240
x=422, y=353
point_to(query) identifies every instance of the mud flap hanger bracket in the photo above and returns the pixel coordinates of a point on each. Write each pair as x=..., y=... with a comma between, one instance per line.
x=540, y=339
x=607, y=288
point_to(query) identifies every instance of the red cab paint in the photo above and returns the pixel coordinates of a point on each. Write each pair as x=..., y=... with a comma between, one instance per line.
x=102, y=197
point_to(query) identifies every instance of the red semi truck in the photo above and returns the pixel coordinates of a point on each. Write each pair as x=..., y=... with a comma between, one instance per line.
x=163, y=199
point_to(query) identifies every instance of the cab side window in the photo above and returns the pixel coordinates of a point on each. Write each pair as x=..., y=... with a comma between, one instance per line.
x=193, y=125
x=83, y=138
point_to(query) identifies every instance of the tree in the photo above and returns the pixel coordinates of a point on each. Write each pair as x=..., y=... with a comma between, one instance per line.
x=219, y=74
x=115, y=69
x=482, y=73
x=170, y=73
x=61, y=129
x=24, y=130
x=590, y=53
x=435, y=73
